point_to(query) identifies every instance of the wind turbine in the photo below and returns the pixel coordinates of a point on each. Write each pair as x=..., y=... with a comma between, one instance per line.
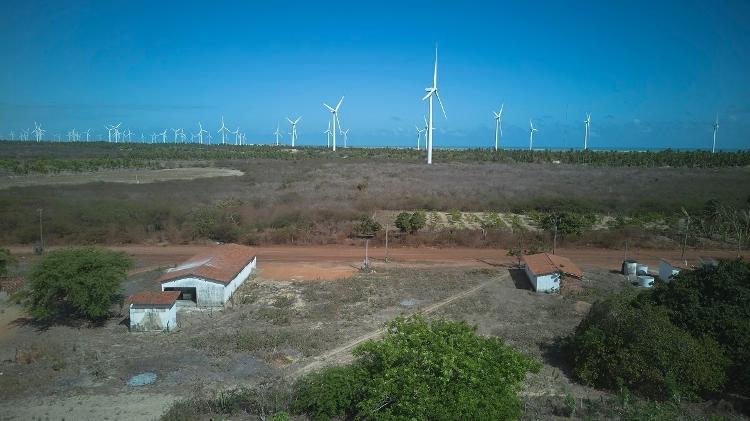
x=586, y=123
x=38, y=131
x=498, y=124
x=88, y=133
x=237, y=136
x=110, y=129
x=334, y=118
x=153, y=137
x=200, y=132
x=163, y=136
x=128, y=135
x=328, y=135
x=432, y=92
x=223, y=130
x=531, y=134
x=346, y=136
x=419, y=135
x=277, y=133
x=294, y=128
x=716, y=129
x=12, y=135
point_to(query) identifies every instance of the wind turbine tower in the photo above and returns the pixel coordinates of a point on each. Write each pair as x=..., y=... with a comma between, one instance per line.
x=587, y=123
x=345, y=133
x=498, y=125
x=277, y=133
x=432, y=92
x=328, y=135
x=200, y=132
x=223, y=130
x=716, y=129
x=294, y=129
x=532, y=130
x=334, y=118
x=38, y=131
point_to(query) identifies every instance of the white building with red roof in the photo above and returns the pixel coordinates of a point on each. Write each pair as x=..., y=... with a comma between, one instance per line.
x=151, y=311
x=210, y=279
x=545, y=271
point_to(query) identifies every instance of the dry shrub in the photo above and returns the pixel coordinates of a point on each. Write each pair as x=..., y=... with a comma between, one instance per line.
x=28, y=355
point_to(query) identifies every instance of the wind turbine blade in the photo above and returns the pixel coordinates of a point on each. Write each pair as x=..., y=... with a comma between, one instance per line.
x=337, y=121
x=329, y=107
x=289, y=120
x=427, y=95
x=339, y=104
x=441, y=105
x=298, y=119
x=434, y=76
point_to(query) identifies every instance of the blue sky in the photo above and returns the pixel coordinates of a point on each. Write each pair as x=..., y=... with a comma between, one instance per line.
x=652, y=74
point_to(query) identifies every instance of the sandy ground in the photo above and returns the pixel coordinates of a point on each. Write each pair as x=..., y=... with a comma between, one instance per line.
x=130, y=176
x=123, y=406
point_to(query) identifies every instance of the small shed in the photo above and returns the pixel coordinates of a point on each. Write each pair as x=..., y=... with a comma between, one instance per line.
x=669, y=268
x=545, y=271
x=210, y=279
x=153, y=311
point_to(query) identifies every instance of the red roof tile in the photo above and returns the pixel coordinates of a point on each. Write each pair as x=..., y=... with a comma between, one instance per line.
x=148, y=298
x=221, y=264
x=545, y=263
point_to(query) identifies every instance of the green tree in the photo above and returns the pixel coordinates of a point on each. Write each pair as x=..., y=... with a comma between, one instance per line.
x=6, y=261
x=627, y=341
x=418, y=220
x=403, y=222
x=714, y=302
x=80, y=282
x=421, y=370
x=366, y=226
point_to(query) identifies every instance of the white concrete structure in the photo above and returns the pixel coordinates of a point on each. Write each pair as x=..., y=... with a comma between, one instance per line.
x=153, y=311
x=668, y=269
x=545, y=271
x=210, y=279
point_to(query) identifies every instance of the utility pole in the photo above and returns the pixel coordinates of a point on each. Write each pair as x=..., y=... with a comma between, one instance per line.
x=386, y=244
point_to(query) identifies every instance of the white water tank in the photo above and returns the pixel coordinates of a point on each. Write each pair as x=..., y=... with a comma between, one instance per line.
x=641, y=270
x=629, y=267
x=645, y=281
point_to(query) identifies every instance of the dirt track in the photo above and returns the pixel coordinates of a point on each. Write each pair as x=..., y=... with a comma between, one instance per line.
x=337, y=261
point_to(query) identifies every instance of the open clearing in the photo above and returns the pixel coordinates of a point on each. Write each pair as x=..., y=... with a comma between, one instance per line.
x=278, y=326
x=129, y=176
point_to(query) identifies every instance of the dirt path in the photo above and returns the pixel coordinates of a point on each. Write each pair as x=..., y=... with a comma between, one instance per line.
x=149, y=257
x=342, y=354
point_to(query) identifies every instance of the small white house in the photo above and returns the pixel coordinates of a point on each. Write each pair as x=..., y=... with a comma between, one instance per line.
x=545, y=271
x=211, y=278
x=150, y=311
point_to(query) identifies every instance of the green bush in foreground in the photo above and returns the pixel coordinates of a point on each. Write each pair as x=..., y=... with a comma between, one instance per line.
x=626, y=341
x=420, y=370
x=715, y=302
x=80, y=282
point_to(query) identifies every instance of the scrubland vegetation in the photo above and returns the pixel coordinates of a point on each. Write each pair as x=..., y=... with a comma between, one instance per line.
x=312, y=196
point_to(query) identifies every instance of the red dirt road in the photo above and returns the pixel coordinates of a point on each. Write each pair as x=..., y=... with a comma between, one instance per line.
x=336, y=261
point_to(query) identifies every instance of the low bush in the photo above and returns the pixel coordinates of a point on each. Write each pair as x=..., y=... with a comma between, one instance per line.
x=420, y=370
x=714, y=302
x=626, y=341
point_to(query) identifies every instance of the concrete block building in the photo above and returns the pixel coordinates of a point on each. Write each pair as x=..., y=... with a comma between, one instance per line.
x=545, y=271
x=153, y=311
x=210, y=279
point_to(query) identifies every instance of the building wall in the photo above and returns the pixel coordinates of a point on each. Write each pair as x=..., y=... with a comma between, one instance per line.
x=544, y=283
x=666, y=271
x=143, y=318
x=239, y=279
x=208, y=293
